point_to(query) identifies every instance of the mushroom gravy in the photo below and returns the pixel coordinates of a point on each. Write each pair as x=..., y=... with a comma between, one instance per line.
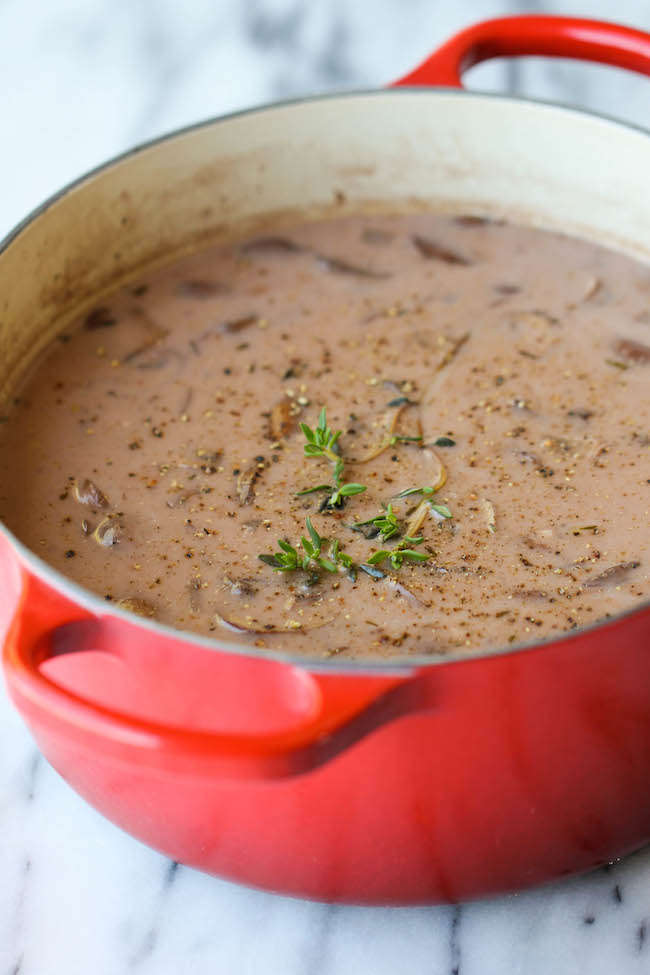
x=492, y=388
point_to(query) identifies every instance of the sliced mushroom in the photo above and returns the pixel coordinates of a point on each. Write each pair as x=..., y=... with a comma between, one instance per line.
x=179, y=499
x=246, y=482
x=99, y=318
x=141, y=607
x=194, y=594
x=87, y=492
x=339, y=266
x=271, y=245
x=201, y=289
x=154, y=334
x=109, y=532
x=633, y=351
x=374, y=235
x=611, y=576
x=158, y=359
x=240, y=587
x=239, y=324
x=471, y=220
x=490, y=514
x=281, y=420
x=401, y=590
x=592, y=288
x=433, y=251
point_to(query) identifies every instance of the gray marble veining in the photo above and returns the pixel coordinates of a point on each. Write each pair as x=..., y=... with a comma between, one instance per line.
x=81, y=81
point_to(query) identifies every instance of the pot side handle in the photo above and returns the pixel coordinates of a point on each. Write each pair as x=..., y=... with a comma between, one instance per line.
x=533, y=35
x=348, y=706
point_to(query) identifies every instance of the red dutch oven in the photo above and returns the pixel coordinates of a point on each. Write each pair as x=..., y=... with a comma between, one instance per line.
x=362, y=781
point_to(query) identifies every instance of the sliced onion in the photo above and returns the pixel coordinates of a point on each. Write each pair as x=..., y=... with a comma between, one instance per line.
x=397, y=587
x=417, y=518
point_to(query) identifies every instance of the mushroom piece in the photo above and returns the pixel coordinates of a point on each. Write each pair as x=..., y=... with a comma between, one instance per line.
x=246, y=482
x=87, y=492
x=109, y=532
x=339, y=266
x=633, y=351
x=281, y=420
x=490, y=514
x=433, y=251
x=141, y=607
x=612, y=576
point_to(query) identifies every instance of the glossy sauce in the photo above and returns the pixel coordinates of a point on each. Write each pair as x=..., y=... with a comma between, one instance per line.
x=156, y=452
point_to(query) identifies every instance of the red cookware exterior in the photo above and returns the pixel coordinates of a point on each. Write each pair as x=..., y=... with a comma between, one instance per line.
x=364, y=783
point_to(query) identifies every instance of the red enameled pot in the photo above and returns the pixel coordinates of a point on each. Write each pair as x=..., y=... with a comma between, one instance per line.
x=429, y=780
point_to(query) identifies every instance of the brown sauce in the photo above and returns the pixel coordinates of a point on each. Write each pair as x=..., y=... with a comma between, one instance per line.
x=156, y=453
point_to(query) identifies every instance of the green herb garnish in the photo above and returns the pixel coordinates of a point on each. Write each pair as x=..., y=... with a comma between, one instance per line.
x=386, y=522
x=416, y=490
x=323, y=442
x=442, y=510
x=399, y=553
x=338, y=491
x=288, y=559
x=444, y=442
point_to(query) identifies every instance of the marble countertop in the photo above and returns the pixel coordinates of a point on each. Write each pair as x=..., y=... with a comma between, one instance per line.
x=82, y=81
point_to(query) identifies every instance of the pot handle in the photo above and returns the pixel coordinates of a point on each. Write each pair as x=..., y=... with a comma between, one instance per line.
x=530, y=35
x=347, y=706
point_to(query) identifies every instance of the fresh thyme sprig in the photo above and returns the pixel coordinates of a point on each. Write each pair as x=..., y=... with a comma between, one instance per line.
x=399, y=553
x=289, y=559
x=338, y=491
x=323, y=442
x=386, y=522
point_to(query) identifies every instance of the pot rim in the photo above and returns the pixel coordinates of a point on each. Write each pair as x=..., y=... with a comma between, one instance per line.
x=375, y=666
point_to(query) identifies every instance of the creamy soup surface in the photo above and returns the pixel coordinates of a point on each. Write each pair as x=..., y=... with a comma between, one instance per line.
x=499, y=375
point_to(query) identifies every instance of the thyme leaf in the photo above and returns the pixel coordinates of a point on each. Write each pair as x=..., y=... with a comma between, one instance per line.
x=400, y=553
x=323, y=442
x=442, y=510
x=288, y=559
x=416, y=490
x=386, y=522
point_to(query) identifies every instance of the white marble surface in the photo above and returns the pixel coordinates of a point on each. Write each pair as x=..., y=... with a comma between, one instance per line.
x=81, y=81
